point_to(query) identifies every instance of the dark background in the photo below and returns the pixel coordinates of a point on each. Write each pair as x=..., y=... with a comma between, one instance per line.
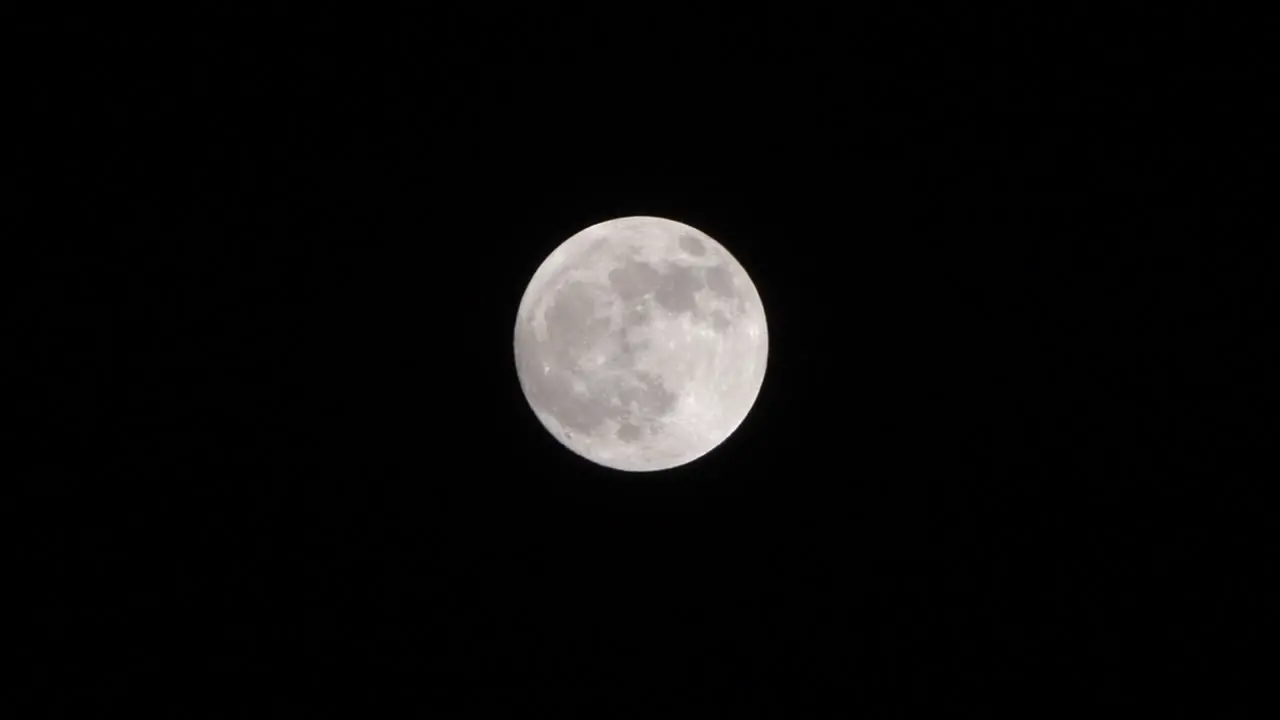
x=275, y=457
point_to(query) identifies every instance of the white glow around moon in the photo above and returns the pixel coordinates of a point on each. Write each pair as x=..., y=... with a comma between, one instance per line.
x=641, y=343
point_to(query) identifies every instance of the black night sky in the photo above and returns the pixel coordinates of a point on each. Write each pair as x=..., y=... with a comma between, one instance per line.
x=275, y=461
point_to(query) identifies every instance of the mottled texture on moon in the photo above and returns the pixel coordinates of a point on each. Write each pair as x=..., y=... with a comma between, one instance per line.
x=641, y=343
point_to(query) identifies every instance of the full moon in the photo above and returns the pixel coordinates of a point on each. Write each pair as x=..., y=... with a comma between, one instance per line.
x=641, y=344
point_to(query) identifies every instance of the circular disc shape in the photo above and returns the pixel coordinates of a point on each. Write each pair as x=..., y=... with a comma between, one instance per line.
x=641, y=343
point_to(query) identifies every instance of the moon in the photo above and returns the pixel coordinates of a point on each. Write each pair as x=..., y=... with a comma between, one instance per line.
x=641, y=344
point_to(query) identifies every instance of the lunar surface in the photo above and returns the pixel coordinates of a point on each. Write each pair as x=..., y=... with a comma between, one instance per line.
x=641, y=343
